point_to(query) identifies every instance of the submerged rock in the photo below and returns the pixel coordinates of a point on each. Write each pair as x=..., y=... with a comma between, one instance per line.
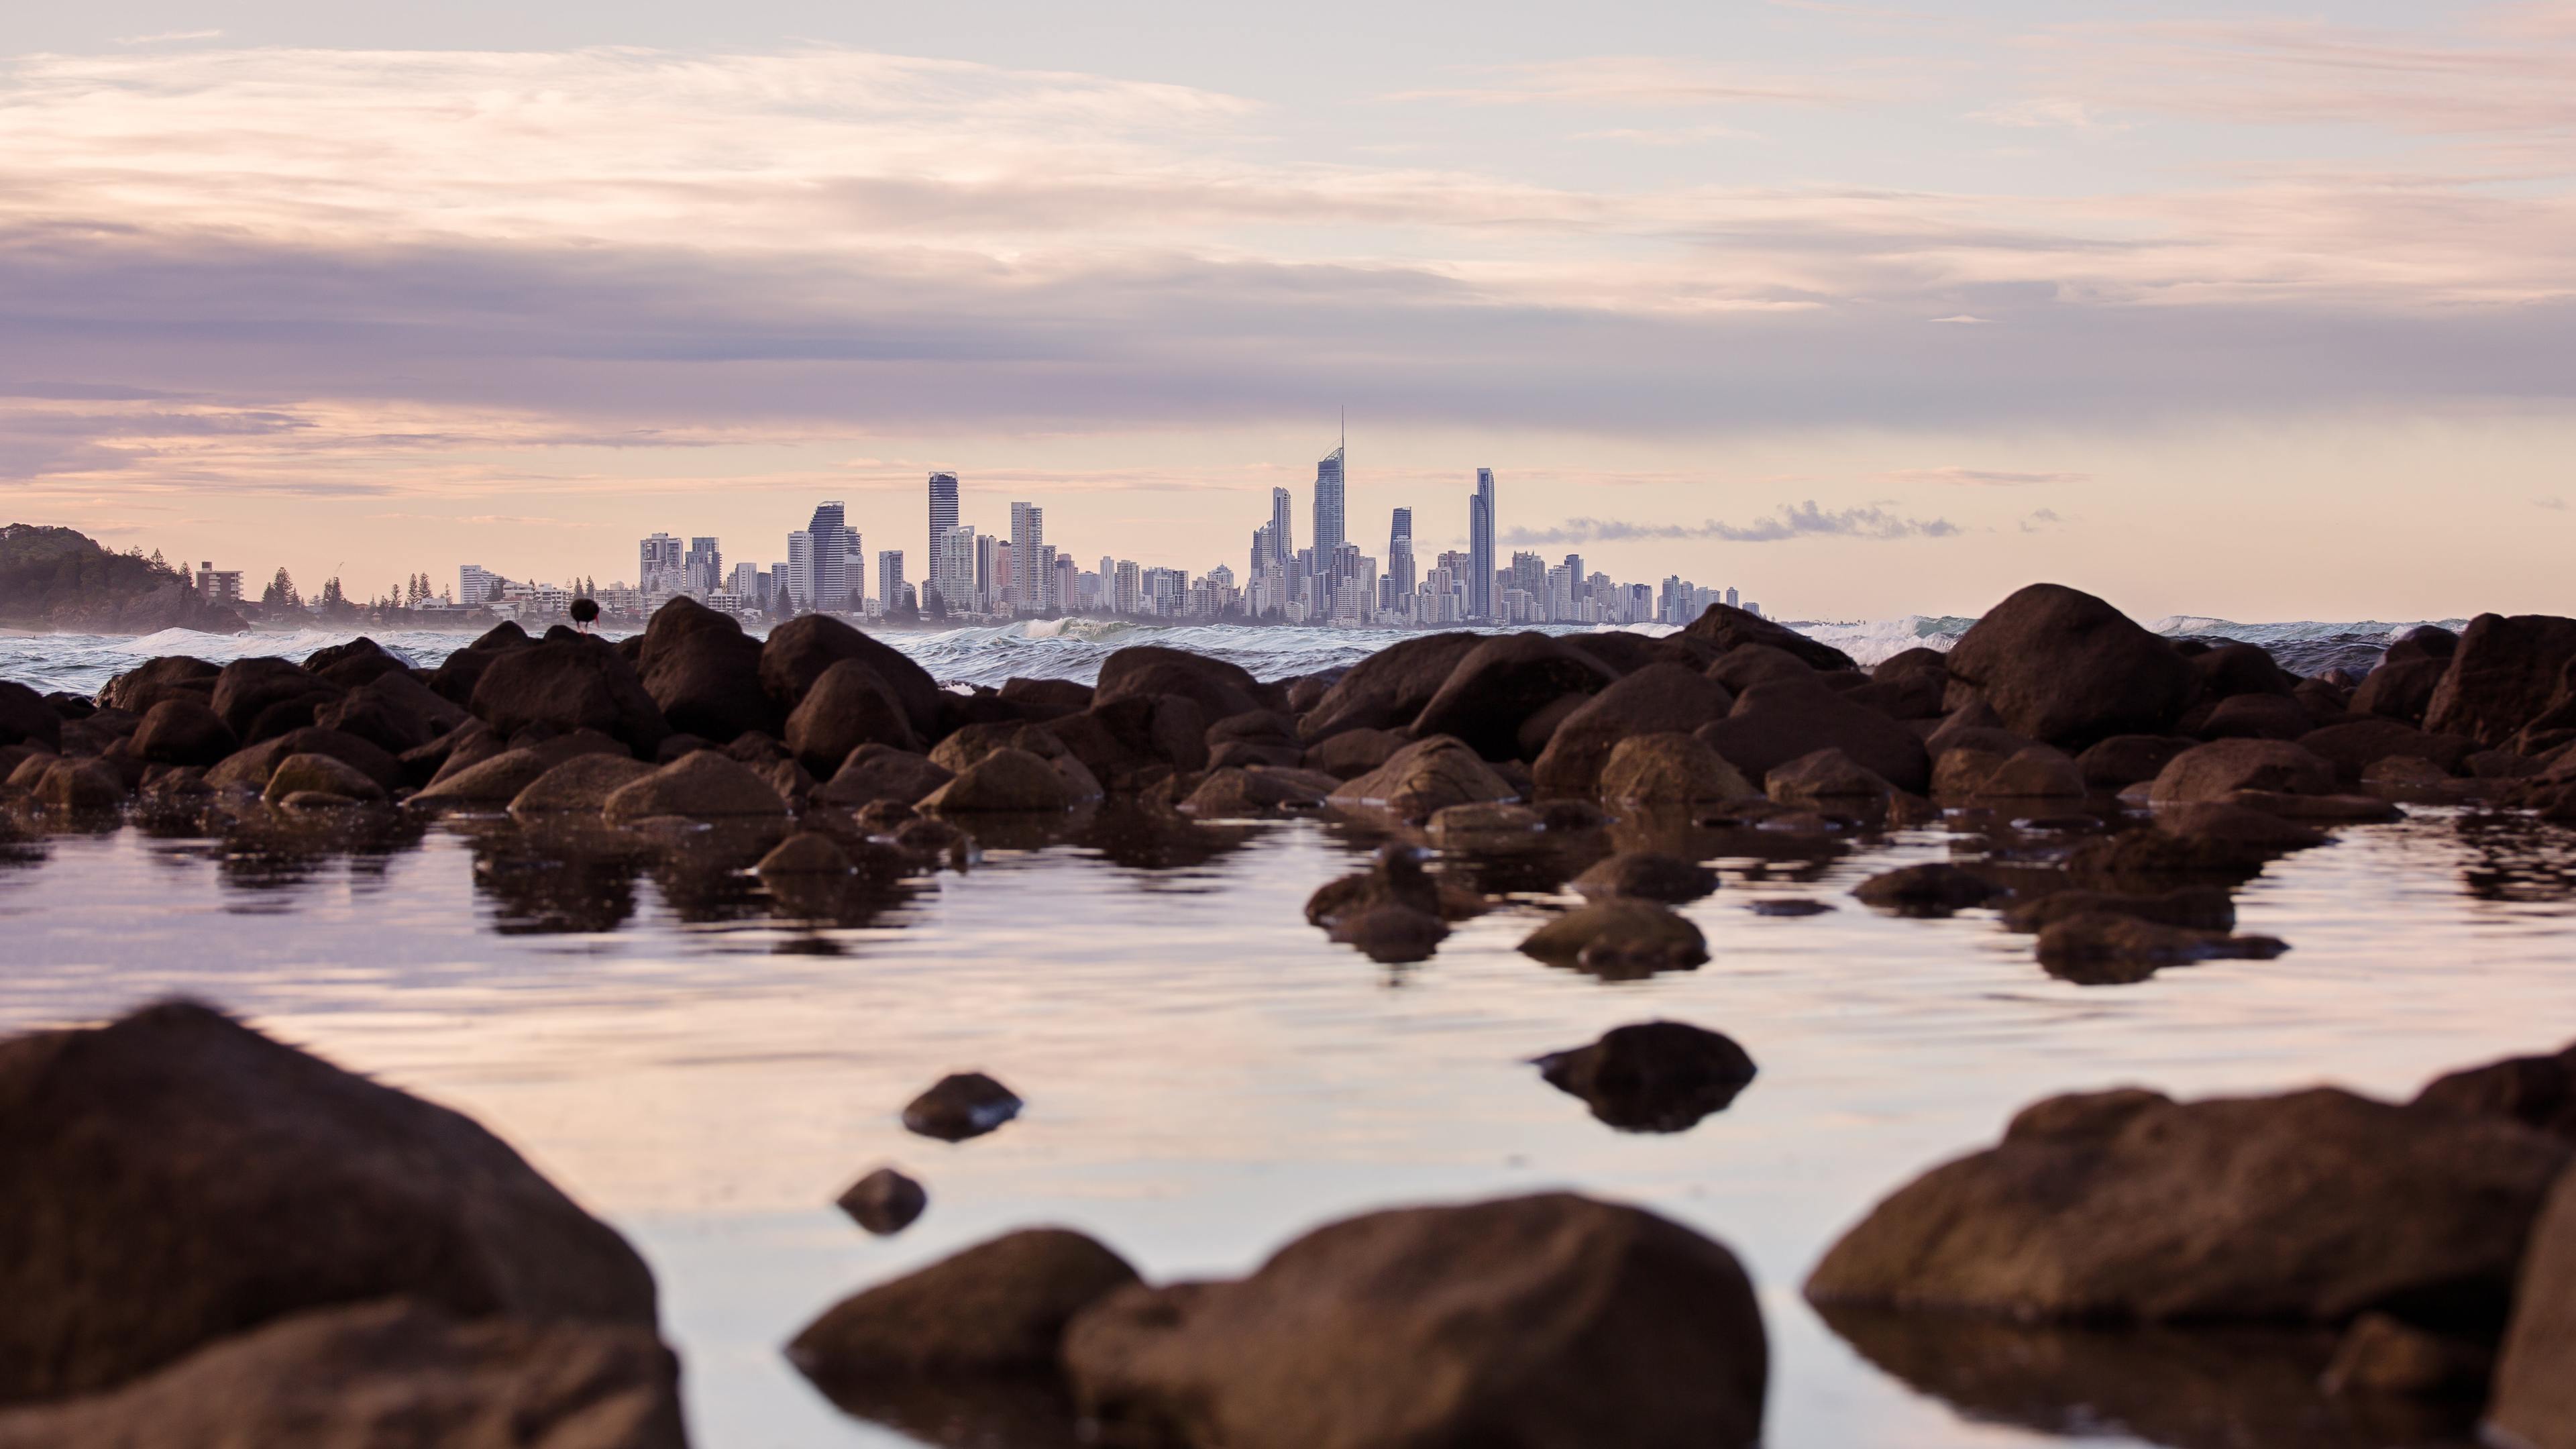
x=1549, y=1322
x=1935, y=888
x=997, y=1308
x=578, y=786
x=1646, y=875
x=962, y=1105
x=1658, y=1076
x=880, y=772
x=807, y=852
x=2198, y=908
x=1389, y=933
x=2103, y=948
x=1423, y=778
x=1619, y=938
x=2220, y=769
x=1005, y=780
x=884, y=1202
x=2380, y=1354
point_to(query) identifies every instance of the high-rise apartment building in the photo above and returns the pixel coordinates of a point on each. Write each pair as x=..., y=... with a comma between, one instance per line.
x=474, y=584
x=702, y=568
x=1283, y=545
x=1480, y=548
x=800, y=568
x=659, y=565
x=952, y=571
x=1328, y=505
x=1399, y=555
x=1028, y=538
x=943, y=509
x=890, y=585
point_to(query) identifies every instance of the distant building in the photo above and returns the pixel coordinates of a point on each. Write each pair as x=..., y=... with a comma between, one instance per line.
x=1283, y=534
x=890, y=584
x=1399, y=555
x=800, y=568
x=702, y=568
x=952, y=572
x=218, y=586
x=1480, y=547
x=943, y=508
x=1328, y=505
x=840, y=581
x=1029, y=579
x=474, y=584
x=658, y=565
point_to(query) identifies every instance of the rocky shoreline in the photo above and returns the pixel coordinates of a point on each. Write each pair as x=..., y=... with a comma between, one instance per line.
x=352, y=1262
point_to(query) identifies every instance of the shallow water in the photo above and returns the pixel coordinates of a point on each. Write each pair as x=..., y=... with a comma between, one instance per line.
x=1208, y=1076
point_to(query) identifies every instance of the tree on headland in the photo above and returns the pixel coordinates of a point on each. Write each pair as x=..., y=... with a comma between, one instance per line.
x=280, y=593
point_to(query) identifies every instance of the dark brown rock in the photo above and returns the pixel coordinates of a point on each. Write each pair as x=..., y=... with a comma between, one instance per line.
x=25, y=718
x=1005, y=780
x=998, y=1308
x=1829, y=778
x=2198, y=908
x=1772, y=724
x=1657, y=699
x=2503, y=675
x=1619, y=938
x=1501, y=683
x=2067, y=669
x=1239, y=792
x=1747, y=665
x=1670, y=769
x=1044, y=699
x=961, y=1105
x=2215, y=771
x=250, y=690
x=1549, y=1322
x=702, y=786
x=1422, y=778
x=1935, y=888
x=182, y=731
x=884, y=1202
x=2353, y=748
x=1658, y=1076
x=2256, y=717
x=2539, y=1092
x=2380, y=1354
x=2401, y=690
x=578, y=786
x=169, y=676
x=703, y=672
x=1395, y=877
x=1389, y=933
x=456, y=676
x=563, y=685
x=849, y=705
x=1730, y=628
x=2534, y=1401
x=1646, y=875
x=879, y=772
x=799, y=650
x=75, y=786
x=2111, y=948
x=2034, y=772
x=1219, y=689
x=1387, y=690
x=319, y=774
x=360, y=661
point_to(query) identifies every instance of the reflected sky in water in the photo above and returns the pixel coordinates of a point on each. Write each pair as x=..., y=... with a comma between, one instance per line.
x=1208, y=1076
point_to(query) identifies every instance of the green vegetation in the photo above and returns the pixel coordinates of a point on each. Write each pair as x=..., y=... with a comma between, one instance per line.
x=61, y=578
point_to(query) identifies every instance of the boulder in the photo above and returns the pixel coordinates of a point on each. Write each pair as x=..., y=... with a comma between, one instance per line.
x=497, y=779
x=2198, y=908
x=2125, y=1206
x=1550, y=1322
x=1136, y=741
x=2379, y=1354
x=180, y=1177
x=1933, y=889
x=807, y=852
x=1256, y=791
x=1501, y=683
x=961, y=1105
x=1219, y=689
x=998, y=1308
x=2034, y=772
x=372, y=717
x=1353, y=753
x=25, y=718
x=2255, y=717
x=2119, y=948
x=1730, y=628
x=1772, y=724
x=2401, y=690
x=2539, y=1092
x=395, y=1372
x=321, y=774
x=1658, y=1076
x=183, y=731
x=457, y=675
x=848, y=705
x=2502, y=675
x=1747, y=665
x=1646, y=875
x=880, y=772
x=1829, y=778
x=798, y=651
x=884, y=1202
x=1657, y=699
x=1044, y=699
x=1425, y=777
x=1389, y=933
x=75, y=786
x=253, y=764
x=2235, y=670
x=1670, y=769
x=2067, y=669
x=360, y=661
x=148, y=683
x=1005, y=780
x=1920, y=693
x=2208, y=841
x=578, y=786
x=702, y=786
x=247, y=689
x=2353, y=748
x=2534, y=1400
x=2218, y=770
x=1388, y=690
x=1619, y=938
x=703, y=672
x=1395, y=877
x=563, y=685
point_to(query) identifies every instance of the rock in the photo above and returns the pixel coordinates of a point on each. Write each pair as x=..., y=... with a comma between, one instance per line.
x=2067, y=669
x=884, y=1202
x=1935, y=888
x=371, y=714
x=457, y=676
x=1550, y=1322
x=2353, y=748
x=962, y=1105
x=1389, y=933
x=76, y=786
x=2401, y=690
x=246, y=689
x=1670, y=769
x=1387, y=690
x=2197, y=908
x=578, y=786
x=1646, y=875
x=2502, y=675
x=2538, y=1092
x=396, y=1372
x=2534, y=1400
x=1353, y=753
x=498, y=779
x=702, y=786
x=798, y=651
x=1747, y=665
x=1619, y=938
x=169, y=676
x=1828, y=778
x=1005, y=780
x=253, y=764
x=704, y=673
x=1422, y=778
x=1730, y=628
x=180, y=1177
x=1502, y=682
x=1237, y=792
x=970, y=743
x=1660, y=1076
x=2383, y=1355
x=807, y=852
x=25, y=718
x=182, y=731
x=1658, y=699
x=2256, y=717
x=2117, y=949
x=1219, y=689
x=1915, y=694
x=1530, y=741
x=2033, y=773
x=2233, y=671
x=565, y=685
x=848, y=706
x=1789, y=907
x=2124, y=1206
x=880, y=772
x=1395, y=877
x=1043, y=699
x=998, y=1308
x=1135, y=742
x=1772, y=724
x=298, y=774
x=2215, y=771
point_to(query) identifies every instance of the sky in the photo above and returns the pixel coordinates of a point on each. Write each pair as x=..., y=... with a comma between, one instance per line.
x=2257, y=311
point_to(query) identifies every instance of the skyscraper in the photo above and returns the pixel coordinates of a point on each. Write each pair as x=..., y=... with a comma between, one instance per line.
x=952, y=571
x=890, y=584
x=1028, y=537
x=1282, y=530
x=1480, y=548
x=657, y=565
x=1399, y=554
x=943, y=510
x=833, y=545
x=800, y=568
x=703, y=567
x=1328, y=504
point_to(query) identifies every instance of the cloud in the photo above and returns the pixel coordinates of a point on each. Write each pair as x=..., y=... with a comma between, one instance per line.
x=1981, y=477
x=2553, y=503
x=1790, y=520
x=1630, y=80
x=169, y=35
x=2046, y=112
x=2040, y=520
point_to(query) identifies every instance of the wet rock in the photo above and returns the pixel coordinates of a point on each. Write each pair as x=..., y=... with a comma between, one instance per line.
x=1619, y=938
x=180, y=1177
x=566, y=685
x=456, y=676
x=1659, y=1076
x=875, y=773
x=884, y=1202
x=1729, y=628
x=1488, y=828
x=2501, y=676
x=2215, y=841
x=2353, y=748
x=2196, y=908
x=167, y=677
x=1389, y=933
x=180, y=731
x=1828, y=778
x=360, y=661
x=1424, y=777
x=703, y=672
x=2114, y=949
x=807, y=852
x=1913, y=694
x=1530, y=741
x=1353, y=753
x=2538, y=1092
x=499, y=779
x=962, y=1105
x=997, y=1308
x=1258, y=791
x=848, y=706
x=1218, y=688
x=383, y=714
x=2032, y=773
x=247, y=689
x=1773, y=724
x=1546, y=1322
x=799, y=650
x=1646, y=875
x=2380, y=1354
x=1935, y=888
x=1004, y=780
x=1044, y=699
x=1137, y=741
x=2216, y=771
x=316, y=801
x=2254, y=717
x=578, y=786
x=1658, y=699
x=2400, y=690
x=1789, y=906
x=394, y=1372
x=1747, y=665
x=75, y=786
x=298, y=774
x=2534, y=1400
x=1387, y=690
x=1395, y=877
x=1671, y=769
x=2319, y=809
x=1261, y=737
x=703, y=786
x=1502, y=682
x=2067, y=669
